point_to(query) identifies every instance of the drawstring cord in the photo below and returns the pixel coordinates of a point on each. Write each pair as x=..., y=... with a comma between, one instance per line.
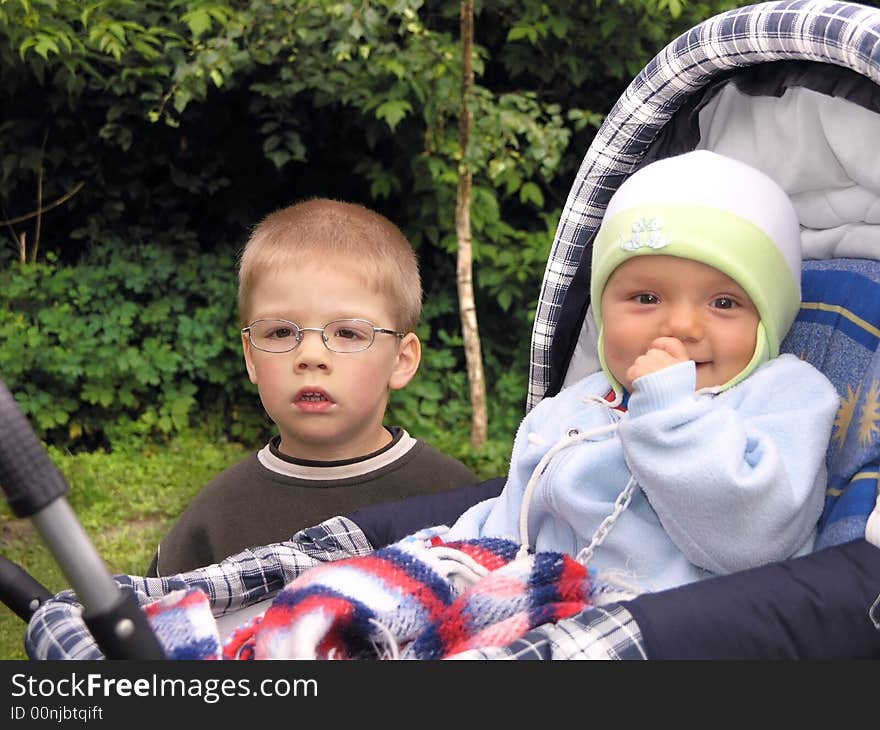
x=456, y=565
x=620, y=504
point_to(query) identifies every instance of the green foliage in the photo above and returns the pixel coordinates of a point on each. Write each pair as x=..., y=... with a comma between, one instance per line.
x=134, y=342
x=141, y=344
x=169, y=128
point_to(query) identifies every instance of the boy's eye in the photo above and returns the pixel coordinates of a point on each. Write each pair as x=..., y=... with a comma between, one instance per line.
x=347, y=334
x=352, y=333
x=280, y=333
x=647, y=298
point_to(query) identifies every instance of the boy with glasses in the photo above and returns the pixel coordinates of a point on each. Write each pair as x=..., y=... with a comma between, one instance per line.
x=329, y=293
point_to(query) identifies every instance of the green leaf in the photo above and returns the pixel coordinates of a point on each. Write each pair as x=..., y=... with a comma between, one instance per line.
x=279, y=158
x=393, y=111
x=531, y=193
x=198, y=21
x=396, y=67
x=42, y=44
x=380, y=188
x=518, y=32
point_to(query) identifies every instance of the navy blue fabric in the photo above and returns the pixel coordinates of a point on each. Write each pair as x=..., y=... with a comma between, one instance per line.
x=814, y=607
x=389, y=522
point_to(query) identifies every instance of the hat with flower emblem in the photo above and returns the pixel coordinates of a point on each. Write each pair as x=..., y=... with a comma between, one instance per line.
x=716, y=210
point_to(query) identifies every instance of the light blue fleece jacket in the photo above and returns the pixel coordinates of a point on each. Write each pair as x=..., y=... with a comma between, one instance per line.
x=724, y=482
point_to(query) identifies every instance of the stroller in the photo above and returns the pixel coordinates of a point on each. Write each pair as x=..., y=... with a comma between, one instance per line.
x=791, y=88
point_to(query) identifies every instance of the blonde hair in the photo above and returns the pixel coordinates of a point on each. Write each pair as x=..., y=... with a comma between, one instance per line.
x=321, y=229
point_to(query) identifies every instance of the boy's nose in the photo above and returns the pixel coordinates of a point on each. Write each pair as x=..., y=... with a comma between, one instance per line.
x=311, y=352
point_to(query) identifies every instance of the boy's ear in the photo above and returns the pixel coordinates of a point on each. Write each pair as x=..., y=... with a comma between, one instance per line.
x=248, y=359
x=408, y=360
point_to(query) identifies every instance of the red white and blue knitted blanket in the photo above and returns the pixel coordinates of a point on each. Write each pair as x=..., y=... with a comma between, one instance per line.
x=421, y=598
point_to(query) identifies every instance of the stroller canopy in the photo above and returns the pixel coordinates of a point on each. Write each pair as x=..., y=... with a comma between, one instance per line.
x=779, y=82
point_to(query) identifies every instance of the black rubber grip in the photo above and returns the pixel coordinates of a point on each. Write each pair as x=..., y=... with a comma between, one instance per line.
x=138, y=642
x=27, y=475
x=20, y=591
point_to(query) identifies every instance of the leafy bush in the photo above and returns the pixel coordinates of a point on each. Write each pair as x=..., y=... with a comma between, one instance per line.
x=136, y=341
x=173, y=127
x=142, y=343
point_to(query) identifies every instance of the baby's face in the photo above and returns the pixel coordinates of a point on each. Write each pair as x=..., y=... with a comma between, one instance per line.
x=651, y=297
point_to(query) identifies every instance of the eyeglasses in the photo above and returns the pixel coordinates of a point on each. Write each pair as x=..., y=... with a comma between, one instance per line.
x=340, y=335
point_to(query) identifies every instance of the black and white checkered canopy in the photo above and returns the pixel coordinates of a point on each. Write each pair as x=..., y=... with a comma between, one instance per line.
x=650, y=120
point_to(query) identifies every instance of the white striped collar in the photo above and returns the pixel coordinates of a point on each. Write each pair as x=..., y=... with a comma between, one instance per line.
x=332, y=470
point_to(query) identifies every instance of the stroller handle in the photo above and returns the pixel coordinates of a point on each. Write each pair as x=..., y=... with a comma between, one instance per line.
x=27, y=475
x=21, y=591
x=36, y=489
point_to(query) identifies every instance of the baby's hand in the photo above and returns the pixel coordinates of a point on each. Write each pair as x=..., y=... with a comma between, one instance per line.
x=664, y=352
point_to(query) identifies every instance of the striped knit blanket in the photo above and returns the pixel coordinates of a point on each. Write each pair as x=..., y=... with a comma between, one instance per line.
x=420, y=598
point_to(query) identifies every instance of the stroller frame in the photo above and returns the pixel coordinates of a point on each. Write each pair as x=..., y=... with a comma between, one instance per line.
x=840, y=34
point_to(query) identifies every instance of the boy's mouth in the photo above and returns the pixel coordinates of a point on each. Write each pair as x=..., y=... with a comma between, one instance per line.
x=313, y=399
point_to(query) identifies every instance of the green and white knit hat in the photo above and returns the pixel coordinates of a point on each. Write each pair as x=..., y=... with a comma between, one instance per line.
x=718, y=211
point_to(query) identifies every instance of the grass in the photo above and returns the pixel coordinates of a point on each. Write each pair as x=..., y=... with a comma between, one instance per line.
x=126, y=502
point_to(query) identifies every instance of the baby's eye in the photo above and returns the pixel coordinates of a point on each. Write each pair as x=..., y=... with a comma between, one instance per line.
x=647, y=298
x=724, y=303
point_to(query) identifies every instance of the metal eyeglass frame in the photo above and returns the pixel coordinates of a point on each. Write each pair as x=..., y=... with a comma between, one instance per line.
x=301, y=330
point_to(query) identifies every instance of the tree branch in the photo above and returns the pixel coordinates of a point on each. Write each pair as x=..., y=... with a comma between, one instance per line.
x=54, y=204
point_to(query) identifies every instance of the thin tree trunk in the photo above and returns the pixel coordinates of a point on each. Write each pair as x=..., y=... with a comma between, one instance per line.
x=38, y=227
x=466, y=304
